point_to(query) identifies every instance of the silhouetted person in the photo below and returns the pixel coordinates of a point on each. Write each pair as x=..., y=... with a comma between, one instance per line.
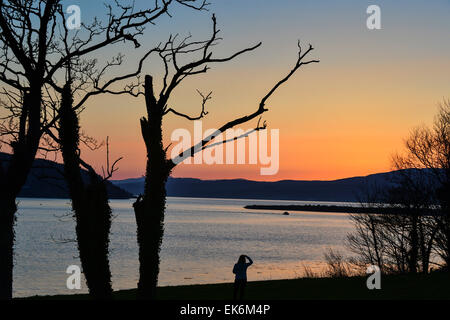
x=240, y=270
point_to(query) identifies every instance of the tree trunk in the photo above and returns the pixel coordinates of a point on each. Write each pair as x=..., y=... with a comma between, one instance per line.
x=10, y=185
x=149, y=211
x=373, y=231
x=443, y=238
x=7, y=216
x=93, y=218
x=150, y=207
x=445, y=229
x=13, y=176
x=414, y=249
x=89, y=203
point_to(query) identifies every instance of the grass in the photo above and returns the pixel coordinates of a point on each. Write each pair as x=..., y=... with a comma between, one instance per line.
x=393, y=287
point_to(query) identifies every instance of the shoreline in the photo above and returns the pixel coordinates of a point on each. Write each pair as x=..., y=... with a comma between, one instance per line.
x=335, y=209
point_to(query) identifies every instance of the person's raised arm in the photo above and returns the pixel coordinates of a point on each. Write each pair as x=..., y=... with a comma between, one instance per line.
x=250, y=261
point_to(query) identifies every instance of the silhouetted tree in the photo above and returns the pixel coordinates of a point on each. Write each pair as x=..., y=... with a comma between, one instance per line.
x=419, y=192
x=367, y=240
x=89, y=202
x=412, y=194
x=150, y=207
x=429, y=149
x=396, y=242
x=33, y=54
x=24, y=51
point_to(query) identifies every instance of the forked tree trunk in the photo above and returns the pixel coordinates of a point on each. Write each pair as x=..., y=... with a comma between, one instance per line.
x=89, y=203
x=13, y=175
x=150, y=207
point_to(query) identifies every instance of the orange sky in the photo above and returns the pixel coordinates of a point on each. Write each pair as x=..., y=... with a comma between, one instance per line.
x=343, y=117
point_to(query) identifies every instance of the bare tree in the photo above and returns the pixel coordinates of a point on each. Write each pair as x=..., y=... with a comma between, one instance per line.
x=428, y=152
x=150, y=207
x=23, y=74
x=400, y=236
x=33, y=56
x=418, y=227
x=397, y=243
x=90, y=204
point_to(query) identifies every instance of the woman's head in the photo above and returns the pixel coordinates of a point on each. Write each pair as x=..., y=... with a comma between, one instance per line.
x=241, y=259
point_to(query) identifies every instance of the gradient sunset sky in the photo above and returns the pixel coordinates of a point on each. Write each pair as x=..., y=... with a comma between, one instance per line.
x=343, y=117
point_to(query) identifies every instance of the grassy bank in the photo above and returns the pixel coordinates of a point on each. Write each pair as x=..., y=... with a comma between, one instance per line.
x=435, y=286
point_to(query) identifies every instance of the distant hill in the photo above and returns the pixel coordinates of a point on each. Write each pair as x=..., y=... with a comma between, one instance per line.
x=337, y=190
x=46, y=181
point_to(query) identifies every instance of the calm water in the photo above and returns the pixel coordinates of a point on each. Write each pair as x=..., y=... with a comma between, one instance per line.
x=203, y=239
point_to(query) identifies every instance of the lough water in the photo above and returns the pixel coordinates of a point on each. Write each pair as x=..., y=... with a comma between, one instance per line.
x=203, y=239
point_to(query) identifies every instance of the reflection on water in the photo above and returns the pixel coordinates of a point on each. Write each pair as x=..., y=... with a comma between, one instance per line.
x=203, y=239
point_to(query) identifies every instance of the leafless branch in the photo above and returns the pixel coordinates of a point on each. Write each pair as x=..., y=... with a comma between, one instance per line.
x=109, y=169
x=203, y=113
x=259, y=111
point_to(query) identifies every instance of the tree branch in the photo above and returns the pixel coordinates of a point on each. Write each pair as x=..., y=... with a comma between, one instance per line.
x=261, y=109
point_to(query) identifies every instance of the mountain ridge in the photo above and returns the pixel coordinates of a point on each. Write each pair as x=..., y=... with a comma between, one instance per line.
x=46, y=181
x=346, y=189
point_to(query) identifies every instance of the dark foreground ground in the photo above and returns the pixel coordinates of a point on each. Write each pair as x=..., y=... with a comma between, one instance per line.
x=435, y=286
